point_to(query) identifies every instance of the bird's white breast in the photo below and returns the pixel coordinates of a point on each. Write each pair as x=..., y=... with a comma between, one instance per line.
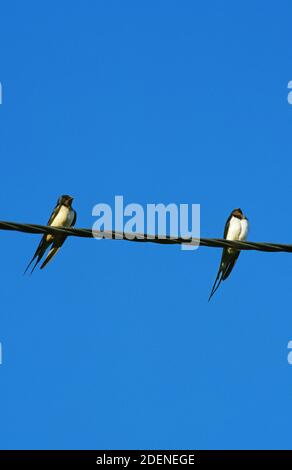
x=237, y=229
x=64, y=218
x=244, y=229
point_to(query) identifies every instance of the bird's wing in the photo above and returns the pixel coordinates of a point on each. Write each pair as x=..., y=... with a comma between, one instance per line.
x=53, y=214
x=53, y=251
x=230, y=265
x=74, y=219
x=227, y=226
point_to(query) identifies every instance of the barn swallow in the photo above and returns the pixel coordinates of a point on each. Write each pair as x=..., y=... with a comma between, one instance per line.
x=62, y=216
x=236, y=228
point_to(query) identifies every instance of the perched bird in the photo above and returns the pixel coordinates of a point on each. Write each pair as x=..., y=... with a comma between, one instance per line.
x=236, y=228
x=62, y=216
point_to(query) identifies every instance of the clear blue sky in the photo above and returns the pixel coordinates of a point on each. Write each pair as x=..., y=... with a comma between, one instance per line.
x=114, y=344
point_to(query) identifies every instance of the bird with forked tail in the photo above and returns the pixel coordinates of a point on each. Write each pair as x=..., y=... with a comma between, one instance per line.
x=236, y=228
x=62, y=216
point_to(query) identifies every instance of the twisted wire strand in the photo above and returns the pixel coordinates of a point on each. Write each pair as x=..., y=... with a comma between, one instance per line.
x=140, y=237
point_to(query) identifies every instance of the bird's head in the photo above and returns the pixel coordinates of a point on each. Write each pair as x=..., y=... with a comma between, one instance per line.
x=238, y=213
x=65, y=200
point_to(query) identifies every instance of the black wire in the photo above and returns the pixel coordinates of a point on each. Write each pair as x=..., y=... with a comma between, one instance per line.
x=166, y=240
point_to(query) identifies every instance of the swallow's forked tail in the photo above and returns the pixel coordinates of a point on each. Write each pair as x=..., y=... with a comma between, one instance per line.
x=218, y=280
x=223, y=273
